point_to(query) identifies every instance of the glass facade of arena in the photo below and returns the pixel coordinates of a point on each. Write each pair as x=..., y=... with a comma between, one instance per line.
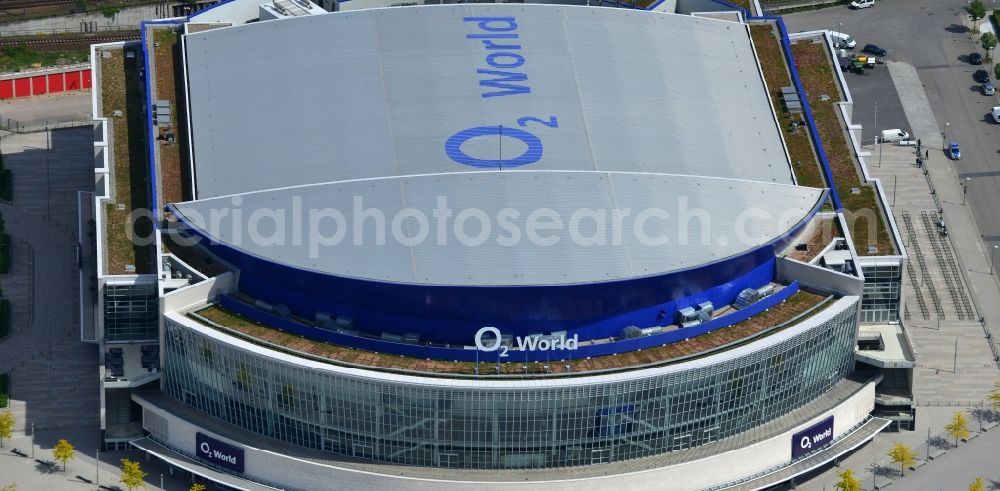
x=473, y=427
x=131, y=312
x=880, y=302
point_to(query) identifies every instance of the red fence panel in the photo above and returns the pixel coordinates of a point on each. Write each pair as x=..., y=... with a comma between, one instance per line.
x=56, y=82
x=86, y=78
x=22, y=87
x=6, y=89
x=38, y=85
x=73, y=81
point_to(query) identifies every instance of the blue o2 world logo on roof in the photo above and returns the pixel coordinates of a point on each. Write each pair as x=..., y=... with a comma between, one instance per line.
x=502, y=76
x=219, y=453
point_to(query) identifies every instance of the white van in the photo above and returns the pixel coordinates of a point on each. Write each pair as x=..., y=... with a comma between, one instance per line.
x=894, y=135
x=842, y=41
x=861, y=4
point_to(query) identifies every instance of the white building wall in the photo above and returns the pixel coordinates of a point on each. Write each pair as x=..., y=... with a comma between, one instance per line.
x=296, y=473
x=198, y=294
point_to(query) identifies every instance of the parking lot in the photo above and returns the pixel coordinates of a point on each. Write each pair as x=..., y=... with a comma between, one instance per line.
x=930, y=36
x=927, y=88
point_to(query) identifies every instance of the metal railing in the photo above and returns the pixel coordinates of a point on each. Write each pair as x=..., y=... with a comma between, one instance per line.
x=14, y=126
x=84, y=28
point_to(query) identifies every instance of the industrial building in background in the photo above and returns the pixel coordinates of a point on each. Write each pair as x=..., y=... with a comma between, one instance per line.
x=510, y=246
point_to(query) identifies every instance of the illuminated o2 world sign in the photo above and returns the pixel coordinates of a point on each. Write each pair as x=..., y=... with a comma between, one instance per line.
x=493, y=342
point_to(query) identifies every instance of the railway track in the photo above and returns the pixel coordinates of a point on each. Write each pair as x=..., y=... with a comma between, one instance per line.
x=31, y=4
x=56, y=41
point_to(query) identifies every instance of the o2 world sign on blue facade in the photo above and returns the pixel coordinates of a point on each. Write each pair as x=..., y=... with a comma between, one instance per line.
x=812, y=438
x=502, y=75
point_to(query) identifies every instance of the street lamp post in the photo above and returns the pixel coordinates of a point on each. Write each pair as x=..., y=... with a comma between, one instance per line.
x=946, y=125
x=993, y=259
x=97, y=468
x=965, y=188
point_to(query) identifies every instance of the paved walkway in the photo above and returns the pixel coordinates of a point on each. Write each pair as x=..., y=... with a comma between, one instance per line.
x=30, y=475
x=75, y=106
x=54, y=377
x=973, y=261
x=940, y=377
x=959, y=466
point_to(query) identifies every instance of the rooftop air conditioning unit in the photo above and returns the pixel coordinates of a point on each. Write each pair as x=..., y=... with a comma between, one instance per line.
x=687, y=314
x=746, y=297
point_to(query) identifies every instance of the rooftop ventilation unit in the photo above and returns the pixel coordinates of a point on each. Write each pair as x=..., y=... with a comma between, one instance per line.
x=746, y=297
x=687, y=314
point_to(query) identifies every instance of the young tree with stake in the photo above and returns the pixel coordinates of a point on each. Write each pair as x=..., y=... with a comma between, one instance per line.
x=976, y=10
x=994, y=395
x=132, y=475
x=848, y=482
x=6, y=425
x=903, y=455
x=63, y=452
x=989, y=41
x=958, y=428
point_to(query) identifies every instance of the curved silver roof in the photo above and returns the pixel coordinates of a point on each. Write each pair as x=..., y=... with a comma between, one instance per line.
x=381, y=92
x=506, y=228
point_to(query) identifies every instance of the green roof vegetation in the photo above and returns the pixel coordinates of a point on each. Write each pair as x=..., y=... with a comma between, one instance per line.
x=862, y=211
x=121, y=91
x=745, y=331
x=776, y=74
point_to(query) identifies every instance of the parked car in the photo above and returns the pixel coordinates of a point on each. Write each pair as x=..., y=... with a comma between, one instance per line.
x=842, y=41
x=996, y=114
x=981, y=76
x=862, y=4
x=894, y=135
x=976, y=59
x=954, y=151
x=987, y=89
x=874, y=49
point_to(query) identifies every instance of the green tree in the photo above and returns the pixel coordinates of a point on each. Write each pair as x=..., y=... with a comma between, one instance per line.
x=109, y=11
x=977, y=485
x=848, y=482
x=994, y=395
x=976, y=10
x=9, y=487
x=958, y=428
x=6, y=425
x=197, y=487
x=63, y=452
x=132, y=475
x=989, y=41
x=902, y=454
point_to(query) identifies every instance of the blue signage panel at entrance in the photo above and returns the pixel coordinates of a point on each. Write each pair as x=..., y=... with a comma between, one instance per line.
x=812, y=438
x=219, y=453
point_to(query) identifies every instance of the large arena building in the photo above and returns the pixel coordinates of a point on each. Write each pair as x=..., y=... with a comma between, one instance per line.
x=511, y=246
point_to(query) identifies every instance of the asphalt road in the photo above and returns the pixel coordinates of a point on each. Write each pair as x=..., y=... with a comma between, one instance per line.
x=929, y=35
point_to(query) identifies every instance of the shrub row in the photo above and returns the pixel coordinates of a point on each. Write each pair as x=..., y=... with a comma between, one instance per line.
x=4, y=389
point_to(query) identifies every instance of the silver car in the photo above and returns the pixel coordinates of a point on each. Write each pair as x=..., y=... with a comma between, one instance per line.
x=987, y=88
